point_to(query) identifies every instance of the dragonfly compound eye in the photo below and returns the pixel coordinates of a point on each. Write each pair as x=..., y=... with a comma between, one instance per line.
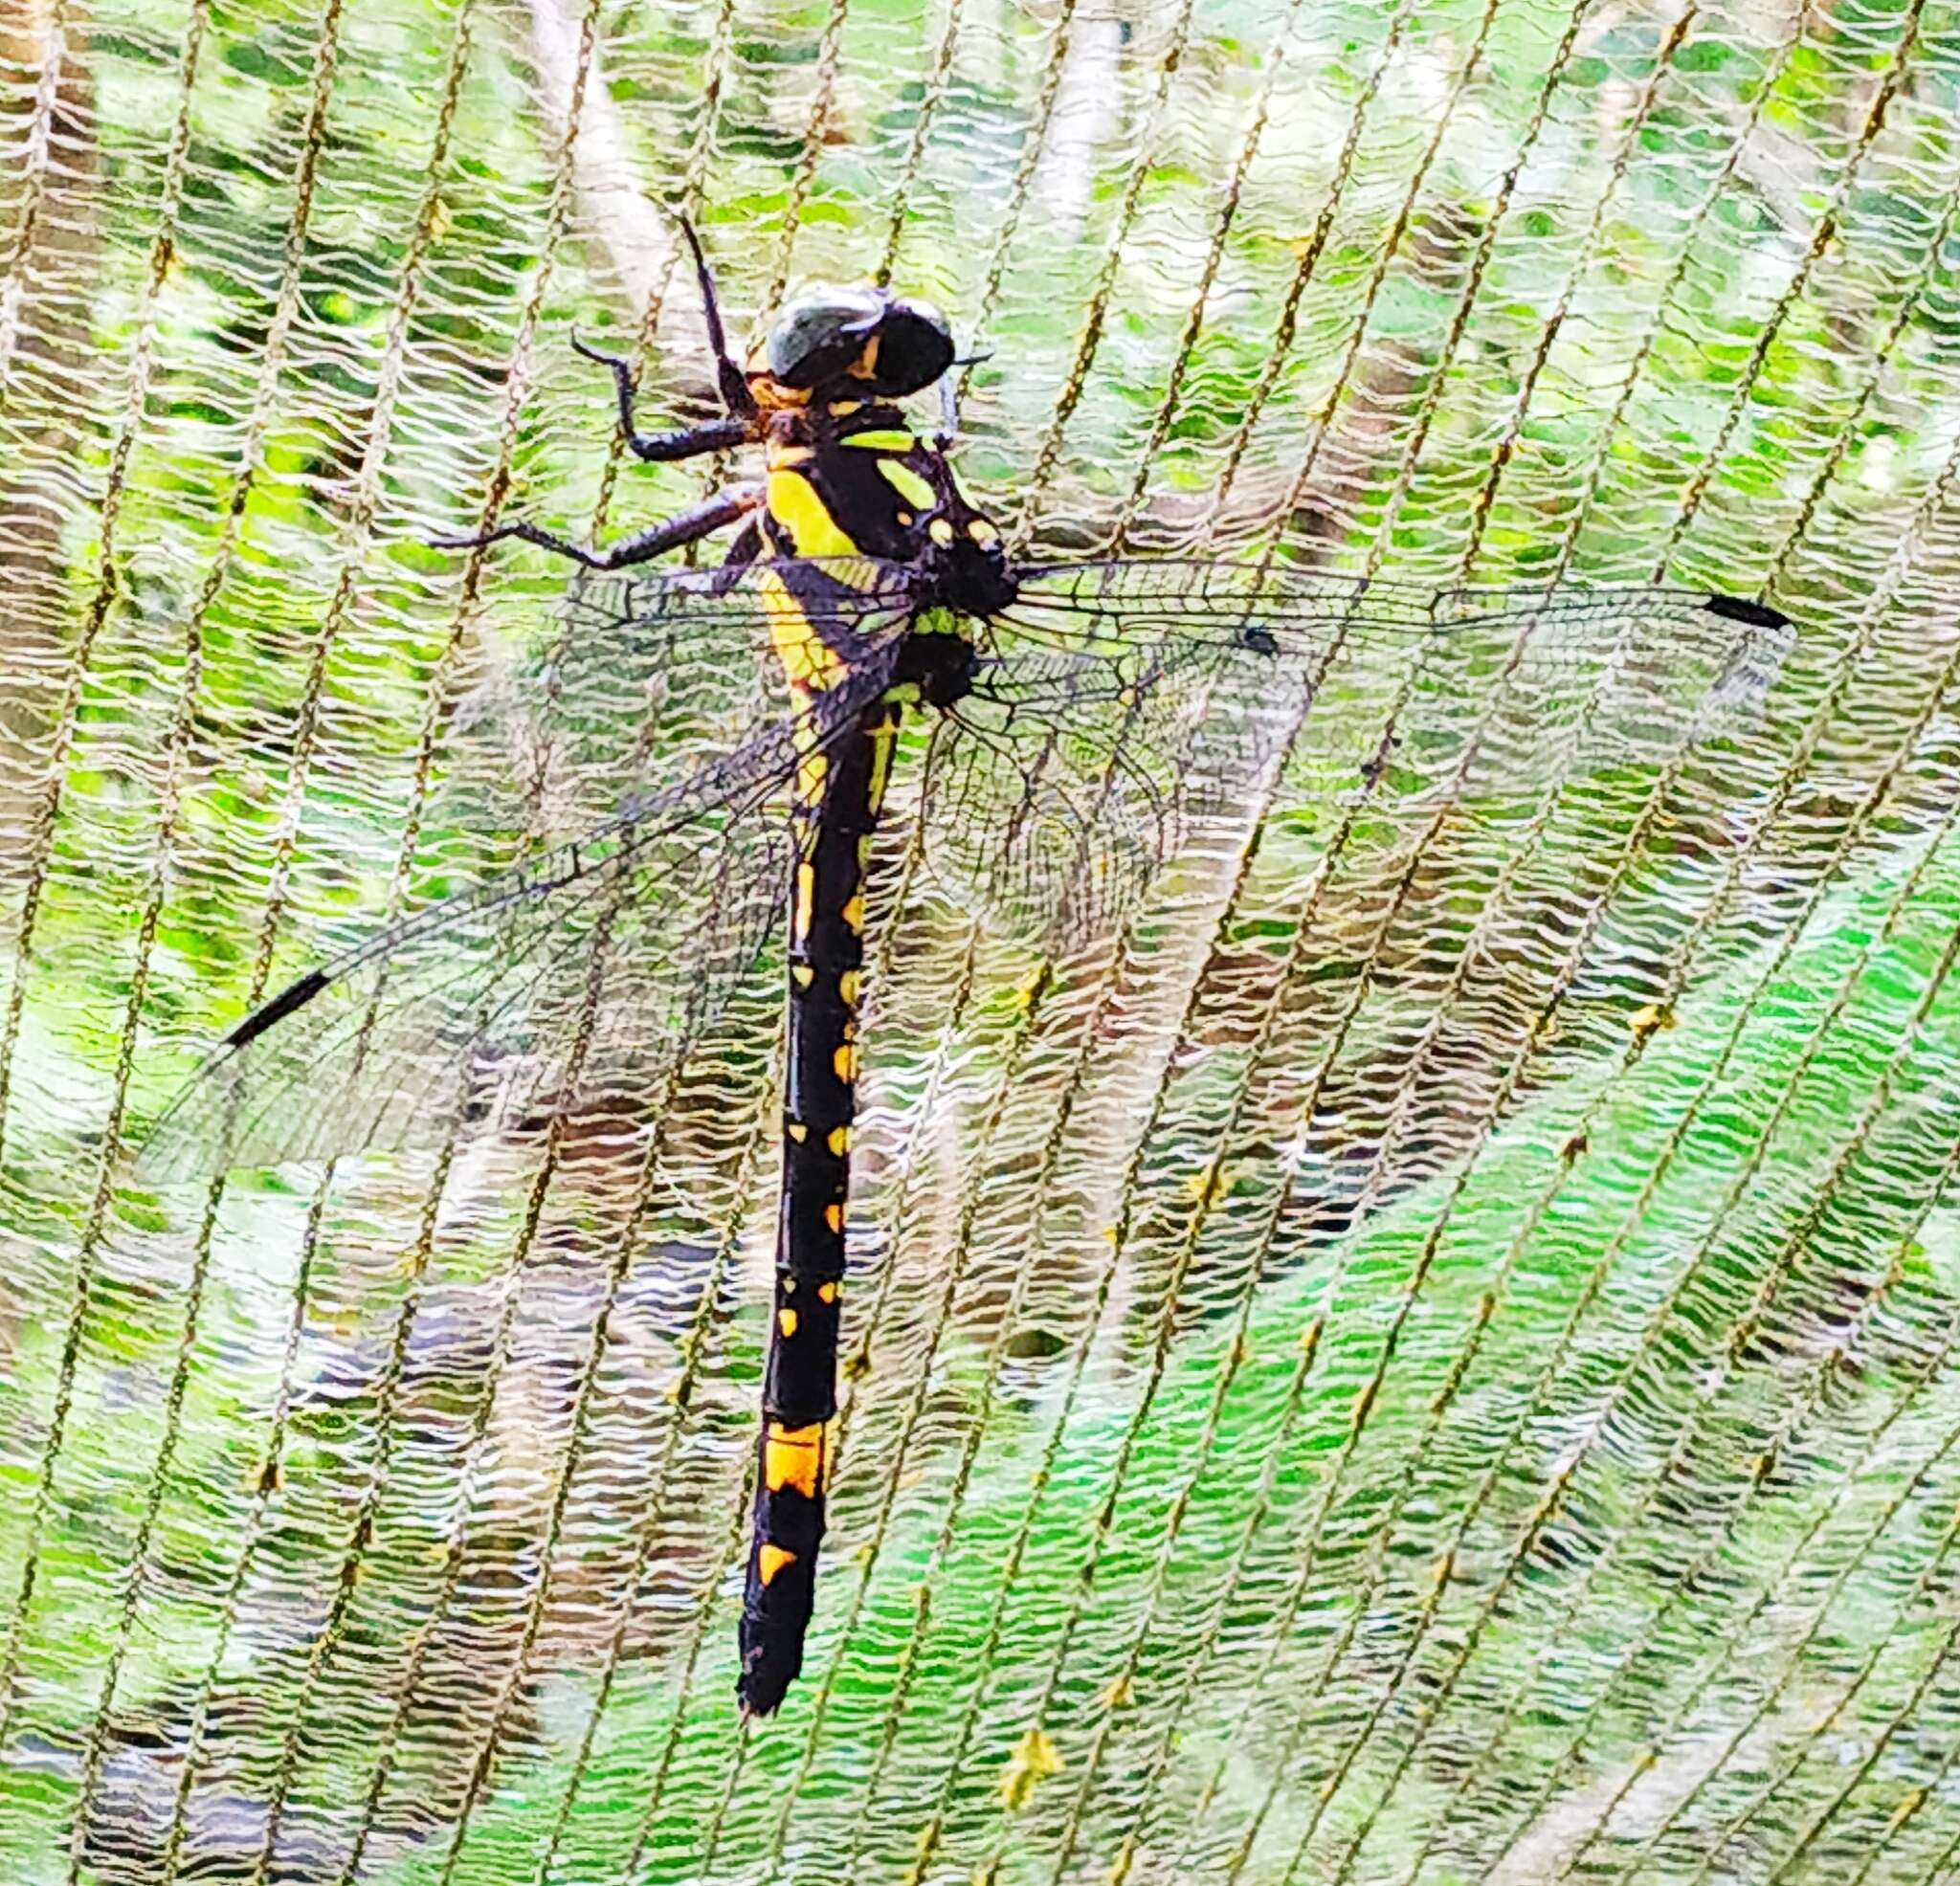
x=858, y=342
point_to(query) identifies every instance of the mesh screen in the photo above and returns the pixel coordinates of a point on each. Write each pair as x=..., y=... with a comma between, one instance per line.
x=1424, y=1352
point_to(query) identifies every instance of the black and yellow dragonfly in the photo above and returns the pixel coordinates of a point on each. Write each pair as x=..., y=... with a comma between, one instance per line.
x=1085, y=718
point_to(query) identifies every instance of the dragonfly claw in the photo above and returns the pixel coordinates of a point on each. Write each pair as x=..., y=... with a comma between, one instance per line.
x=586, y=351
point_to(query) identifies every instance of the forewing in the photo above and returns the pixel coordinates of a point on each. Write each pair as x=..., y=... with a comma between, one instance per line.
x=594, y=963
x=640, y=677
x=1506, y=687
x=1123, y=704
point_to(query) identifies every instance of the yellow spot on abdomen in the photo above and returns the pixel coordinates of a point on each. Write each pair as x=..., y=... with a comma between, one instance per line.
x=939, y=530
x=786, y=1323
x=793, y=1457
x=845, y=1062
x=850, y=984
x=806, y=901
x=829, y=1293
x=834, y=1217
x=854, y=912
x=840, y=1141
x=772, y=1560
x=884, y=738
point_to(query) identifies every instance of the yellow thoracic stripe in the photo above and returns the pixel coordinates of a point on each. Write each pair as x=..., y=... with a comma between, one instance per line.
x=810, y=664
x=890, y=439
x=793, y=504
x=907, y=483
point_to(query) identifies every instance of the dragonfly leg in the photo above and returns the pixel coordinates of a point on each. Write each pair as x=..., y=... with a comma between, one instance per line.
x=713, y=435
x=711, y=513
x=742, y=551
x=728, y=375
x=949, y=398
x=656, y=448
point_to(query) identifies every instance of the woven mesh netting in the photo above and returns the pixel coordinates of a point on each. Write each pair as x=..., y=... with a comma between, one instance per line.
x=1425, y=1352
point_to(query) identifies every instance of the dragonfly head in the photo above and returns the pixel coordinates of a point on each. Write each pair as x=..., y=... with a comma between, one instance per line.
x=855, y=343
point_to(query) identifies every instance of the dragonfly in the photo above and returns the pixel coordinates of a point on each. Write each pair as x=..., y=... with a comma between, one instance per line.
x=1084, y=720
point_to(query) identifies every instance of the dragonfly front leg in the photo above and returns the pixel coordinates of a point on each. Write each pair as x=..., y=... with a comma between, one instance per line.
x=734, y=383
x=681, y=442
x=686, y=527
x=740, y=428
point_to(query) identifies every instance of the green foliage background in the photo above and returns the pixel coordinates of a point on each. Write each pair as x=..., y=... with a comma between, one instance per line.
x=1431, y=1358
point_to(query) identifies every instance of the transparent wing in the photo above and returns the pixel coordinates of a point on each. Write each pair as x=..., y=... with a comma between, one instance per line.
x=641, y=676
x=592, y=964
x=1123, y=704
x=1057, y=787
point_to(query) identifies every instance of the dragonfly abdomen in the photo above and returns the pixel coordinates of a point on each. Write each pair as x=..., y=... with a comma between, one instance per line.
x=839, y=791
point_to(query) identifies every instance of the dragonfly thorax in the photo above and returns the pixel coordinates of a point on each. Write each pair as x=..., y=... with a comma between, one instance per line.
x=850, y=478
x=966, y=564
x=939, y=662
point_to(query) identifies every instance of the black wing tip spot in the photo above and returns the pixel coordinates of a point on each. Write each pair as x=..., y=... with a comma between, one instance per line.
x=295, y=995
x=1738, y=608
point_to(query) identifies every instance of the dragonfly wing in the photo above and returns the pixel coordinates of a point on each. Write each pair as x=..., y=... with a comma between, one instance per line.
x=1121, y=704
x=598, y=959
x=1056, y=790
x=1522, y=684
x=640, y=676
